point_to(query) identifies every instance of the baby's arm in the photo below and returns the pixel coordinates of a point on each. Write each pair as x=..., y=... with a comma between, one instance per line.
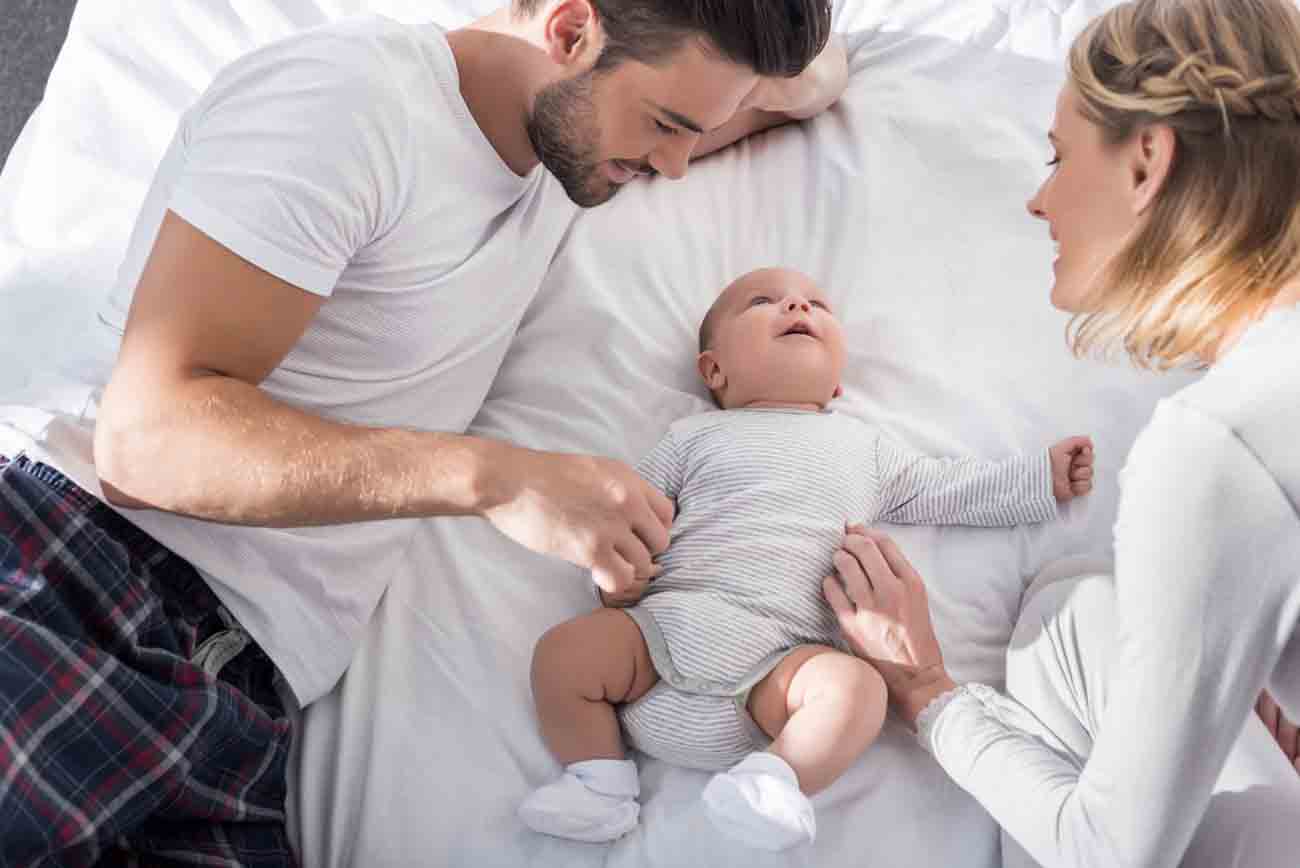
x=918, y=489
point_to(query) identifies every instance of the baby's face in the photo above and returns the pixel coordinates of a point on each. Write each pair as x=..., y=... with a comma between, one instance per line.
x=775, y=340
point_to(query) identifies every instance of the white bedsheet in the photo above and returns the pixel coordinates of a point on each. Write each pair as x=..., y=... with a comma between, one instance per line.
x=906, y=201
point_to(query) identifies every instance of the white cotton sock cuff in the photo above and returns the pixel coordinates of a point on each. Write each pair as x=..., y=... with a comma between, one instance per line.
x=608, y=777
x=758, y=802
x=766, y=763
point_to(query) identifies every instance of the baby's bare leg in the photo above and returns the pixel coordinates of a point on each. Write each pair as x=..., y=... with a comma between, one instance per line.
x=581, y=670
x=822, y=708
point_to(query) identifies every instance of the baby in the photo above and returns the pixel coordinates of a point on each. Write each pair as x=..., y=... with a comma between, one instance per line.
x=730, y=659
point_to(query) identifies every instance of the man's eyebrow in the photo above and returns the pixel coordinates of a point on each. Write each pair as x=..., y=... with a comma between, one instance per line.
x=679, y=119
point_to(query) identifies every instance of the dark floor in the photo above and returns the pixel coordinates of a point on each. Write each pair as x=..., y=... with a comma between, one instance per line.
x=31, y=32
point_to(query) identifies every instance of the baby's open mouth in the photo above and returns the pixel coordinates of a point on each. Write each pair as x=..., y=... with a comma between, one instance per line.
x=799, y=328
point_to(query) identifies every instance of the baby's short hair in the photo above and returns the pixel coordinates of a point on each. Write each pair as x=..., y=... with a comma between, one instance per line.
x=709, y=322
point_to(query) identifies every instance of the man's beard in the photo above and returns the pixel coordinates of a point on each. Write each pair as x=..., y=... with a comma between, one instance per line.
x=564, y=131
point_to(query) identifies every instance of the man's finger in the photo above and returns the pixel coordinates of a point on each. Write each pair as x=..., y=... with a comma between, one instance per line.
x=1286, y=736
x=611, y=572
x=632, y=550
x=1080, y=473
x=662, y=506
x=1268, y=712
x=1078, y=488
x=650, y=530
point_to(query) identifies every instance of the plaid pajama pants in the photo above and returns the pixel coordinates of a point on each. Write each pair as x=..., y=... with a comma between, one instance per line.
x=118, y=746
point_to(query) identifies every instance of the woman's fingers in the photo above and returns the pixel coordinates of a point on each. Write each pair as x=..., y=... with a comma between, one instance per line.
x=900, y=568
x=866, y=551
x=840, y=603
x=853, y=579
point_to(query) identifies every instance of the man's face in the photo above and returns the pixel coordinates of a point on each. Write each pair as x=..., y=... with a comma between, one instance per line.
x=596, y=131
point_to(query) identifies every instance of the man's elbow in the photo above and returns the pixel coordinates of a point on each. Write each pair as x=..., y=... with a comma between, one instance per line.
x=122, y=458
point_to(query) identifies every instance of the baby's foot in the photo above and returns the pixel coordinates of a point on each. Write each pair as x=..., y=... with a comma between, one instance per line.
x=758, y=802
x=593, y=801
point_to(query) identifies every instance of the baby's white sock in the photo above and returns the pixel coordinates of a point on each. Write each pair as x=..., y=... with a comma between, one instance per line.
x=593, y=801
x=758, y=802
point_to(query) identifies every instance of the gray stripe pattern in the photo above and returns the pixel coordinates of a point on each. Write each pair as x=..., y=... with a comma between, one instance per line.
x=762, y=500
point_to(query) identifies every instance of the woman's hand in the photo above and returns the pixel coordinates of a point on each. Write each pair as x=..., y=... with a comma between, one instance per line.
x=1280, y=728
x=884, y=613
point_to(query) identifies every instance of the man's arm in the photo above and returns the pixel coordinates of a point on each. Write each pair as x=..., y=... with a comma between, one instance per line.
x=183, y=427
x=775, y=101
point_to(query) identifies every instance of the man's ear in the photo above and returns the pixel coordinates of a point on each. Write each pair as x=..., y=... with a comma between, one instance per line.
x=1151, y=156
x=573, y=33
x=711, y=371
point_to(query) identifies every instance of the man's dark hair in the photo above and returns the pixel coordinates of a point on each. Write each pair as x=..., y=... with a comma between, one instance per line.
x=771, y=37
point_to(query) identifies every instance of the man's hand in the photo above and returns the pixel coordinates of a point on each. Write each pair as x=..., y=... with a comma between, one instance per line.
x=1283, y=730
x=1071, y=468
x=775, y=101
x=629, y=596
x=810, y=92
x=593, y=512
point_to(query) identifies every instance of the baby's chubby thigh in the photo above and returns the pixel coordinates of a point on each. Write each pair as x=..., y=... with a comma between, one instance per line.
x=601, y=655
x=582, y=669
x=819, y=675
x=822, y=708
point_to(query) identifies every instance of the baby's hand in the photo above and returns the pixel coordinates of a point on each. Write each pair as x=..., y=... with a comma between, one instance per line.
x=1071, y=468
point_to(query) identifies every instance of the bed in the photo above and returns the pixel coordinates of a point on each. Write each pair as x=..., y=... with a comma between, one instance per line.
x=906, y=202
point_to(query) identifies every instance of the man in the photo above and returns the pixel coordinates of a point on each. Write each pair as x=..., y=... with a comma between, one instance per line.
x=325, y=275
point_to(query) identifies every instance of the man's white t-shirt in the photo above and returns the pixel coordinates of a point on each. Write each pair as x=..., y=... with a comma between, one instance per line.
x=345, y=161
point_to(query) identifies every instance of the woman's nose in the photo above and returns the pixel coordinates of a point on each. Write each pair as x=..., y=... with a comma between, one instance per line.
x=1035, y=205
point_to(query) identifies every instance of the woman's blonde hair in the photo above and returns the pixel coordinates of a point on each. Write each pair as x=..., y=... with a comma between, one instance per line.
x=1223, y=234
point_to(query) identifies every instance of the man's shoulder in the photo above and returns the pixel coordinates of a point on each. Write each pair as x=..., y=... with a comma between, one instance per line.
x=362, y=60
x=369, y=36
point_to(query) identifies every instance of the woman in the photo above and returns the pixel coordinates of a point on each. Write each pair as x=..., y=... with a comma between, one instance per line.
x=1175, y=199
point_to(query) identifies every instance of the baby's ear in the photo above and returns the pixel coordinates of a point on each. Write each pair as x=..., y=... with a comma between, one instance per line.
x=839, y=391
x=710, y=371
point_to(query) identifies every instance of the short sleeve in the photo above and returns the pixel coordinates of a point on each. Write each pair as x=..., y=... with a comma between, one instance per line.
x=662, y=467
x=293, y=158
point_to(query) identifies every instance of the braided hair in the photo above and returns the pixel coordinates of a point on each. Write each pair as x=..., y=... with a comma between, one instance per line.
x=1223, y=235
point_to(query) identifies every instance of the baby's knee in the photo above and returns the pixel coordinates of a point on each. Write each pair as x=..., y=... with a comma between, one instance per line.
x=600, y=655
x=866, y=691
x=850, y=683
x=562, y=654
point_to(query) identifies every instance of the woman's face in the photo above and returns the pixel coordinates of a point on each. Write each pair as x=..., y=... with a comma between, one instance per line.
x=1088, y=201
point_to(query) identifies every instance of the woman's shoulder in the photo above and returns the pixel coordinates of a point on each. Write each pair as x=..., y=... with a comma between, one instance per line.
x=1249, y=402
